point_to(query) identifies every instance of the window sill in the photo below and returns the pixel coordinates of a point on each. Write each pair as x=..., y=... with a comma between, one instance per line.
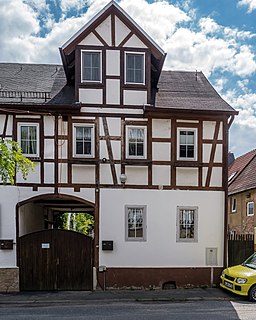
x=137, y=161
x=134, y=85
x=33, y=158
x=187, y=163
x=91, y=84
x=83, y=161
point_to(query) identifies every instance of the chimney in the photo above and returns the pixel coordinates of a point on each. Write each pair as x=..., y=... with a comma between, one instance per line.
x=231, y=158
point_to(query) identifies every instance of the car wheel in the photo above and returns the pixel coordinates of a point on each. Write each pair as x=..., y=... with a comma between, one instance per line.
x=252, y=293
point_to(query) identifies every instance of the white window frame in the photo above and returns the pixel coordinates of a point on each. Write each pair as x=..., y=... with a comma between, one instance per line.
x=233, y=204
x=189, y=240
x=84, y=125
x=125, y=67
x=144, y=227
x=82, y=68
x=30, y=124
x=248, y=208
x=144, y=143
x=195, y=144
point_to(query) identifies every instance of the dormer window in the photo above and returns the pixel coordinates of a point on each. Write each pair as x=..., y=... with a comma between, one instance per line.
x=135, y=68
x=91, y=66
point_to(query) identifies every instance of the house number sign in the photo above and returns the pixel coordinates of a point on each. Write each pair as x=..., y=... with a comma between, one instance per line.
x=45, y=245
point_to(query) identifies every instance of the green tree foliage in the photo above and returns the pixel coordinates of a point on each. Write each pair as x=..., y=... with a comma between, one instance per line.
x=84, y=223
x=12, y=160
x=79, y=222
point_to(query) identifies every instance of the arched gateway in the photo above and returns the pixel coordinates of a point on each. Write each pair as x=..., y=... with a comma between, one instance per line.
x=49, y=258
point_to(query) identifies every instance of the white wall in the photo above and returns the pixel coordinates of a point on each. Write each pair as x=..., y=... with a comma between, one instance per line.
x=31, y=218
x=8, y=199
x=161, y=249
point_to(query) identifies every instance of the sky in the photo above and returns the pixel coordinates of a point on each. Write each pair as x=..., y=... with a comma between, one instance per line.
x=217, y=37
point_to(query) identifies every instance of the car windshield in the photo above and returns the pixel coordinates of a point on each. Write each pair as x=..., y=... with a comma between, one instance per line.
x=251, y=262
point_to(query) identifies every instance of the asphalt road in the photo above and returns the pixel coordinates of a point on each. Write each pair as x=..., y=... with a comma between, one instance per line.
x=199, y=310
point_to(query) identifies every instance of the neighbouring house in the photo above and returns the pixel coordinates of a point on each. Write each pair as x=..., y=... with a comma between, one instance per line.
x=242, y=194
x=112, y=134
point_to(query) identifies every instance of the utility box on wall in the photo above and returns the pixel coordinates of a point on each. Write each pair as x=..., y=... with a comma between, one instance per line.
x=211, y=257
x=6, y=244
x=107, y=245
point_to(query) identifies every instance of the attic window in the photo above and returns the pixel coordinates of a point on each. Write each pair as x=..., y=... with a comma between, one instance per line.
x=91, y=66
x=231, y=176
x=135, y=70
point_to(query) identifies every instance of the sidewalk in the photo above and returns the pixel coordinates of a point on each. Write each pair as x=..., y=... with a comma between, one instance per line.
x=82, y=297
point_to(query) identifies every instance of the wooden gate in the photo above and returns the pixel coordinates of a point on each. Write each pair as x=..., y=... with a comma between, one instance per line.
x=55, y=260
x=240, y=247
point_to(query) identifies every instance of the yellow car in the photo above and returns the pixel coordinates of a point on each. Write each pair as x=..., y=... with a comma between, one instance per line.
x=241, y=279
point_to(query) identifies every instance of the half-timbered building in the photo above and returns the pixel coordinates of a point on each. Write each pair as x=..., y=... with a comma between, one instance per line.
x=112, y=134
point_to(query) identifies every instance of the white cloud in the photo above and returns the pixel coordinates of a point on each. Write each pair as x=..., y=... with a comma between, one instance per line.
x=244, y=62
x=242, y=139
x=208, y=25
x=245, y=104
x=66, y=5
x=149, y=16
x=251, y=4
x=243, y=130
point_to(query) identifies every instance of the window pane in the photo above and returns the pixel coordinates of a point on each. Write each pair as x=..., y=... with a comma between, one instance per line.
x=132, y=149
x=91, y=66
x=190, y=151
x=28, y=139
x=136, y=142
x=79, y=147
x=187, y=224
x=83, y=141
x=140, y=148
x=79, y=133
x=130, y=61
x=250, y=208
x=138, y=62
x=182, y=137
x=187, y=144
x=87, y=148
x=190, y=137
x=134, y=68
x=183, y=153
x=135, y=222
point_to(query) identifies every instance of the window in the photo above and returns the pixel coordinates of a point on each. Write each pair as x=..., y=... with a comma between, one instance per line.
x=83, y=140
x=187, y=224
x=187, y=144
x=28, y=137
x=136, y=142
x=135, y=223
x=135, y=68
x=250, y=208
x=233, y=209
x=91, y=66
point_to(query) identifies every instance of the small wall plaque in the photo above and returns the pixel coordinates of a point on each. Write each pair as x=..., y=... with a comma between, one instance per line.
x=45, y=245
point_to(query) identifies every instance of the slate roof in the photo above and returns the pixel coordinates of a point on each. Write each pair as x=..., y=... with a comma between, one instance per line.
x=40, y=79
x=189, y=91
x=242, y=173
x=177, y=89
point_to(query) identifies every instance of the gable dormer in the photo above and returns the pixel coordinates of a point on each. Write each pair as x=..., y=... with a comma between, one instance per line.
x=112, y=61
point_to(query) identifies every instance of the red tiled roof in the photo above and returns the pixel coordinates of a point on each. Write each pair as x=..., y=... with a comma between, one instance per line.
x=243, y=170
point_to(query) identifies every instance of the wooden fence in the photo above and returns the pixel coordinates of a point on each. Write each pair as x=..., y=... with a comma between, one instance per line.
x=240, y=247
